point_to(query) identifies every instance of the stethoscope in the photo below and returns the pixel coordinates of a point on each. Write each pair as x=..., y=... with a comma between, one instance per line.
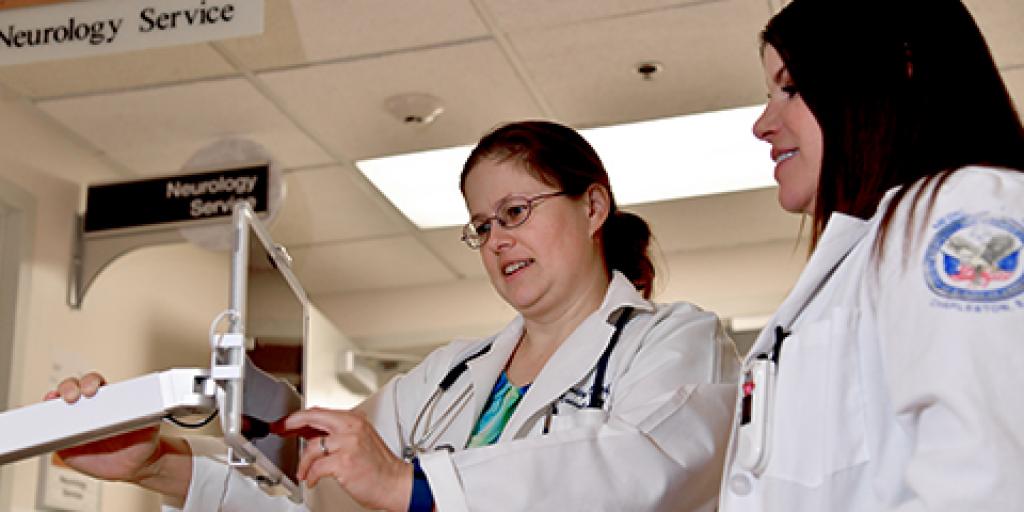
x=419, y=439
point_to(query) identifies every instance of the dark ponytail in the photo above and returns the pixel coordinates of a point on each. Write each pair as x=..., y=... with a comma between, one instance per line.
x=626, y=238
x=561, y=157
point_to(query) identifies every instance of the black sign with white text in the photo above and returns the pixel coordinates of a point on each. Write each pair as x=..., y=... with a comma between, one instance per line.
x=180, y=198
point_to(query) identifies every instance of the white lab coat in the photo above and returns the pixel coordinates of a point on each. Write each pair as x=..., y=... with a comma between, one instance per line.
x=659, y=444
x=898, y=389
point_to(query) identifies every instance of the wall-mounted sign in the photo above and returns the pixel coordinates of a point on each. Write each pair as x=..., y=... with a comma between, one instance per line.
x=96, y=27
x=182, y=198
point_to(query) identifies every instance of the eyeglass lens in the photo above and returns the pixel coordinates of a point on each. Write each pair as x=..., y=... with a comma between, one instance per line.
x=511, y=213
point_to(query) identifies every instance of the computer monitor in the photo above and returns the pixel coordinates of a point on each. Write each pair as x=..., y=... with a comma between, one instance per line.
x=271, y=312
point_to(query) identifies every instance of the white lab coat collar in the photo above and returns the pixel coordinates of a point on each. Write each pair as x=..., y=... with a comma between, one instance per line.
x=622, y=293
x=577, y=355
x=568, y=365
x=842, y=232
x=484, y=370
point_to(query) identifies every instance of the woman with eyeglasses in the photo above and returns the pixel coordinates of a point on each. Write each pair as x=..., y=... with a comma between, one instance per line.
x=592, y=398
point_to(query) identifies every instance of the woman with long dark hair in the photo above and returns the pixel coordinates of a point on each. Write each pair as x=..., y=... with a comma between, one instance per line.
x=887, y=380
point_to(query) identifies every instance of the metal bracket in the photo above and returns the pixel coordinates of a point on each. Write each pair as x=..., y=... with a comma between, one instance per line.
x=93, y=252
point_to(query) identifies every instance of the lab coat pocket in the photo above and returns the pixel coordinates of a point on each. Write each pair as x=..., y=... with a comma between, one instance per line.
x=570, y=418
x=818, y=425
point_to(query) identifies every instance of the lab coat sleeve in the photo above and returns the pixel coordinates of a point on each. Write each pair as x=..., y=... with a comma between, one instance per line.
x=661, y=448
x=953, y=366
x=213, y=485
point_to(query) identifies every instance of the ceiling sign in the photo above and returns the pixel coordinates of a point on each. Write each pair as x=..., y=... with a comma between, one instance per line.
x=152, y=202
x=98, y=27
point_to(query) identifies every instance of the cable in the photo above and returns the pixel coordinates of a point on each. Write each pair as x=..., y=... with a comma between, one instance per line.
x=224, y=492
x=215, y=341
x=182, y=424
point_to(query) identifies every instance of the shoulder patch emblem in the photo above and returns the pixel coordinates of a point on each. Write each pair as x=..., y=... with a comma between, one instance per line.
x=976, y=258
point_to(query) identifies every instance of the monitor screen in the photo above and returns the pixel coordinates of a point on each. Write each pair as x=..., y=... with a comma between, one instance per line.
x=274, y=321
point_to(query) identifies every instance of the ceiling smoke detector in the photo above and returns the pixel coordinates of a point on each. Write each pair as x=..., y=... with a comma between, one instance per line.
x=414, y=108
x=648, y=69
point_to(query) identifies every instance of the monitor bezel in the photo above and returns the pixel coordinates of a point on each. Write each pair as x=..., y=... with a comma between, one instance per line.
x=245, y=456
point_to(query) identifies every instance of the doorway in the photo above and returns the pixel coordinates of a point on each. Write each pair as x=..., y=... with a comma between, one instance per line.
x=16, y=218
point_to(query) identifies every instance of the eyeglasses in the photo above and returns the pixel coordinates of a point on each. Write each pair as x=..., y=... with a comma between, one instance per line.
x=511, y=213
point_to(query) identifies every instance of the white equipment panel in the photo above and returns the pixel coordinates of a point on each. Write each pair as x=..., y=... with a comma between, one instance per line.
x=121, y=407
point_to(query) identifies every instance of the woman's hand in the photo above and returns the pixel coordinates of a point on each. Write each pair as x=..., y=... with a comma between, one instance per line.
x=352, y=453
x=122, y=457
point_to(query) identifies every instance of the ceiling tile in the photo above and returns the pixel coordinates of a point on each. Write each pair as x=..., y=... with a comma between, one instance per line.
x=721, y=220
x=321, y=30
x=31, y=140
x=115, y=72
x=708, y=52
x=328, y=204
x=343, y=103
x=155, y=131
x=523, y=14
x=279, y=45
x=447, y=243
x=331, y=29
x=1001, y=22
x=370, y=264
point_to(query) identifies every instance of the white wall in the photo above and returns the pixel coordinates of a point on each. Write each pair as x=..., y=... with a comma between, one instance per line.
x=149, y=310
x=324, y=343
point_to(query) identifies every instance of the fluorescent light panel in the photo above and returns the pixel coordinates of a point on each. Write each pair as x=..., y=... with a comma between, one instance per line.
x=648, y=161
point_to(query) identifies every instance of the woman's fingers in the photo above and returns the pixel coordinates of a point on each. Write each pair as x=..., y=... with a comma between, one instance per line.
x=352, y=452
x=70, y=390
x=324, y=467
x=324, y=420
x=310, y=453
x=73, y=388
x=336, y=428
x=339, y=457
x=90, y=383
x=278, y=428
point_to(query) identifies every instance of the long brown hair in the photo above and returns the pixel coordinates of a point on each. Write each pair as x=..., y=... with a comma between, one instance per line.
x=905, y=92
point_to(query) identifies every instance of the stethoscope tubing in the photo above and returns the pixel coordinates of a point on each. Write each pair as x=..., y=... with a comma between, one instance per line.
x=434, y=430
